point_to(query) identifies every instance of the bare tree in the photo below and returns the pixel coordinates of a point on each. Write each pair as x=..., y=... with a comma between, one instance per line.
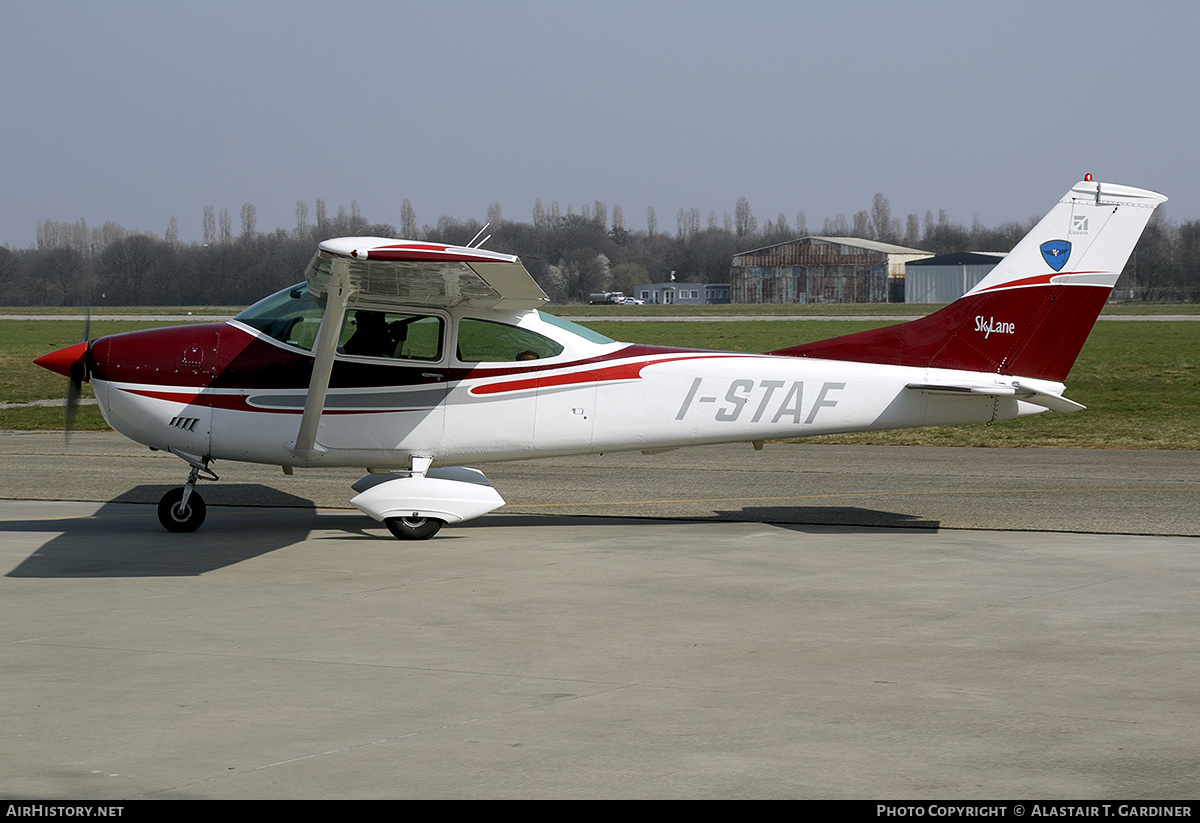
x=248, y=221
x=912, y=232
x=301, y=219
x=618, y=233
x=107, y=234
x=56, y=277
x=862, y=225
x=628, y=276
x=408, y=221
x=129, y=270
x=54, y=234
x=10, y=272
x=210, y=226
x=743, y=218
x=881, y=219
x=358, y=224
x=837, y=227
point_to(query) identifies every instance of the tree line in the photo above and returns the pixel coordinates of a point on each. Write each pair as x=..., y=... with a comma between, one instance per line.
x=570, y=253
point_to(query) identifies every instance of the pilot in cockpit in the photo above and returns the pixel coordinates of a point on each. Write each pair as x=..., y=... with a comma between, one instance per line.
x=374, y=337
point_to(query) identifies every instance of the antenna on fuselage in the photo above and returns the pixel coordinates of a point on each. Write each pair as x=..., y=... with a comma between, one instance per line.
x=473, y=244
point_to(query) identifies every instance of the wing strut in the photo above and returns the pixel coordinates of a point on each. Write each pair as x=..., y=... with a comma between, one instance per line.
x=337, y=297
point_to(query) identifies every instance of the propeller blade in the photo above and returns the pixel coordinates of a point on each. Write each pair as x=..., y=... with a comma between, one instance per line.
x=72, y=363
x=79, y=373
x=74, y=387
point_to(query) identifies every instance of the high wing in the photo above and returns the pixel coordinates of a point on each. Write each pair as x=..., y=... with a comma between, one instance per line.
x=350, y=270
x=414, y=273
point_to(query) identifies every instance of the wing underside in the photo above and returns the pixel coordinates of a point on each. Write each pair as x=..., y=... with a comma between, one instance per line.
x=425, y=274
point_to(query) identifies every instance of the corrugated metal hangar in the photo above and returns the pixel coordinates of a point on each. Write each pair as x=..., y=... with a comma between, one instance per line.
x=947, y=277
x=822, y=270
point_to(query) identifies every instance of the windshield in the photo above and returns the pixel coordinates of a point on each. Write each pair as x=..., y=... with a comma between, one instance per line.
x=291, y=316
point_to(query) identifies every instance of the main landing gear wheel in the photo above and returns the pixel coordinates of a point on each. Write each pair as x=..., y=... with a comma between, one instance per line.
x=175, y=518
x=413, y=528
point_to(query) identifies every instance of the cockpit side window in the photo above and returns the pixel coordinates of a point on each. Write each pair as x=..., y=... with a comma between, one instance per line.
x=400, y=335
x=293, y=316
x=486, y=341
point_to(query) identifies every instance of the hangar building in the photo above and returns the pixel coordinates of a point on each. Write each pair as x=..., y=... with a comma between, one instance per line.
x=822, y=270
x=947, y=277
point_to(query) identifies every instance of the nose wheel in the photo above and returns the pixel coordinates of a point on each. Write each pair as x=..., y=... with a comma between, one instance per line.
x=183, y=509
x=179, y=515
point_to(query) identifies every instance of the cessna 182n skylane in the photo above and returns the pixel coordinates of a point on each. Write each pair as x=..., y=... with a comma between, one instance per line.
x=407, y=358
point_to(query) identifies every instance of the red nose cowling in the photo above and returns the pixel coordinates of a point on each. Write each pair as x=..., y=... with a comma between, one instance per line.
x=68, y=362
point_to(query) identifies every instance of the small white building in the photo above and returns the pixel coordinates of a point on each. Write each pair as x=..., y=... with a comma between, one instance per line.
x=688, y=294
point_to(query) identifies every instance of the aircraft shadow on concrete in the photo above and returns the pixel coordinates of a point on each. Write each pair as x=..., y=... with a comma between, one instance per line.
x=841, y=516
x=799, y=518
x=125, y=539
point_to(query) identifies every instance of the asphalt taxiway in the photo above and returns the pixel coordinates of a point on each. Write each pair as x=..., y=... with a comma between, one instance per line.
x=806, y=621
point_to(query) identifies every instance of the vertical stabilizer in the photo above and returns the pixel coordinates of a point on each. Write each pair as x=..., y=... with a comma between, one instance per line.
x=1031, y=315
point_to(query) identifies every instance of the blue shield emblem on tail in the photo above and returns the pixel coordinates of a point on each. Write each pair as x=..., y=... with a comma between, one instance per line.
x=1055, y=253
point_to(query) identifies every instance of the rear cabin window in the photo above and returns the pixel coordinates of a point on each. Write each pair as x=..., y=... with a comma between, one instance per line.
x=485, y=341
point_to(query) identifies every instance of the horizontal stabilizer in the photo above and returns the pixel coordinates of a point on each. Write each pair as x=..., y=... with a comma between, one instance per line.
x=1054, y=402
x=1025, y=392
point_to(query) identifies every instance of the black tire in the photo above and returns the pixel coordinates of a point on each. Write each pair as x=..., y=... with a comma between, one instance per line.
x=174, y=520
x=413, y=528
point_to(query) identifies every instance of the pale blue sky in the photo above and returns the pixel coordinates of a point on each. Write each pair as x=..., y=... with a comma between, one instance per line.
x=139, y=111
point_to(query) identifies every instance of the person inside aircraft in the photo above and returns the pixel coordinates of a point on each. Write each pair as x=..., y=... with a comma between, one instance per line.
x=398, y=332
x=528, y=354
x=372, y=338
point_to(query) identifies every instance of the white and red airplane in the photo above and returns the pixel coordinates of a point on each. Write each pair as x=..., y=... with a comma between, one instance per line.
x=408, y=358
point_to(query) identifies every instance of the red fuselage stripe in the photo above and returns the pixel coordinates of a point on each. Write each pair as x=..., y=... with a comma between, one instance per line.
x=622, y=371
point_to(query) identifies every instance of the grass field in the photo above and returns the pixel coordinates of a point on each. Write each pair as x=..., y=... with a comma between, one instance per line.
x=576, y=310
x=1140, y=380
x=829, y=310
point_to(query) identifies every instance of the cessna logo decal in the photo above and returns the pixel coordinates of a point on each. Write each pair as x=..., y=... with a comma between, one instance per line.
x=992, y=326
x=1055, y=253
